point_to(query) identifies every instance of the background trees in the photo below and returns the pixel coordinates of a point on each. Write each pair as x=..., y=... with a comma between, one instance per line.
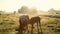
x=23, y=10
x=26, y=10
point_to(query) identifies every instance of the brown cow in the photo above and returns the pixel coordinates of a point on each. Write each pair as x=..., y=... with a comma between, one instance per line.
x=34, y=20
x=23, y=20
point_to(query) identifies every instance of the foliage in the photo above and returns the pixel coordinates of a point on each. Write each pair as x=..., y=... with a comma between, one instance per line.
x=26, y=10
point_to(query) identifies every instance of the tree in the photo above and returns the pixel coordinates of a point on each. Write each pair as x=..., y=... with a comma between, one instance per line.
x=14, y=12
x=24, y=9
x=2, y=12
x=33, y=10
x=53, y=11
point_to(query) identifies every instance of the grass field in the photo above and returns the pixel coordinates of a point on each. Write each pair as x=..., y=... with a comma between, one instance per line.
x=9, y=22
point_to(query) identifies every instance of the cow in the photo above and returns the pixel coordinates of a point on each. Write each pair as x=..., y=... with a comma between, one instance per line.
x=23, y=21
x=37, y=20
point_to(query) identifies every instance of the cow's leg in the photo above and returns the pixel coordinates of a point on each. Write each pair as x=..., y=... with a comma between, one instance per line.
x=20, y=29
x=27, y=31
x=32, y=29
x=40, y=27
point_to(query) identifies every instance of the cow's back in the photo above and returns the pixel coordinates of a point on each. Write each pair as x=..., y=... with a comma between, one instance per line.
x=34, y=19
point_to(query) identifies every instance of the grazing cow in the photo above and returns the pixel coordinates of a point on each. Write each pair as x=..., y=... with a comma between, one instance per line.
x=34, y=20
x=23, y=21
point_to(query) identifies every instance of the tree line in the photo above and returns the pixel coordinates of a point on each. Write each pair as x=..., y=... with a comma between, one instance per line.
x=32, y=10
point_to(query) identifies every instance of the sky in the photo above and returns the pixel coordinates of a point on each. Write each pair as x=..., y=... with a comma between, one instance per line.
x=14, y=5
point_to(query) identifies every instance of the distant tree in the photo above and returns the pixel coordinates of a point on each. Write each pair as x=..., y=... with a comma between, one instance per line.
x=14, y=12
x=24, y=9
x=53, y=11
x=19, y=11
x=2, y=12
x=33, y=10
